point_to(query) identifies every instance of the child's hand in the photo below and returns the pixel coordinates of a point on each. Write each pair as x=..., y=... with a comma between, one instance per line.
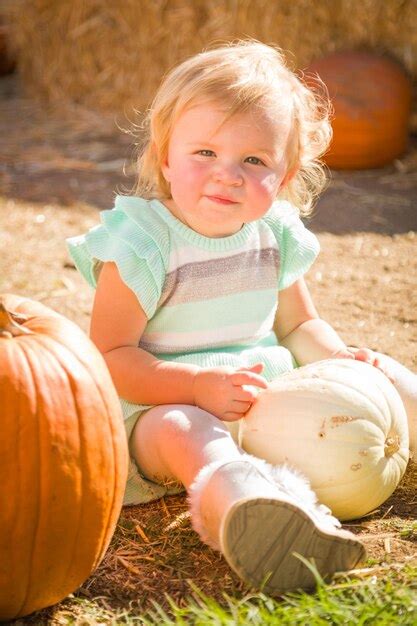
x=362, y=354
x=227, y=392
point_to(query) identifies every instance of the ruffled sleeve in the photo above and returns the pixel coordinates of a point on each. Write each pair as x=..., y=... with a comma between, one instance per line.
x=297, y=246
x=136, y=239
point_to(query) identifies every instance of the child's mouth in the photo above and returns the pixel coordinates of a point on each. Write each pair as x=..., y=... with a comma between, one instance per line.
x=221, y=200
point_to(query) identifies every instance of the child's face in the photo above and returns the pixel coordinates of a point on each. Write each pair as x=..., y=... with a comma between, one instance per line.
x=224, y=174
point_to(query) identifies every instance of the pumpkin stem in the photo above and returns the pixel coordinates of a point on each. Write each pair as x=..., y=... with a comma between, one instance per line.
x=392, y=444
x=9, y=326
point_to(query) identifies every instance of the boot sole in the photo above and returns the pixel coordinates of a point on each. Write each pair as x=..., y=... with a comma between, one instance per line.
x=260, y=536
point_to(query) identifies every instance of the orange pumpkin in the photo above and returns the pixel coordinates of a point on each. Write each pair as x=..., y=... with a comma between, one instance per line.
x=371, y=96
x=63, y=457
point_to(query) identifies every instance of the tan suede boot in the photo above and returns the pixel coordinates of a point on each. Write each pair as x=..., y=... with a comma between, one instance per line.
x=260, y=517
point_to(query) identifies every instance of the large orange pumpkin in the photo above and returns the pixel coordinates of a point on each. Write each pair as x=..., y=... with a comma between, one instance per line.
x=371, y=96
x=63, y=457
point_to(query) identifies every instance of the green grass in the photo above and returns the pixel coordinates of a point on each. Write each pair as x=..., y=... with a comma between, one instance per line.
x=385, y=601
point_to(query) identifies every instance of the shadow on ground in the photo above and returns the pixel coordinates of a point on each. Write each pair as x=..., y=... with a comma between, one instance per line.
x=87, y=158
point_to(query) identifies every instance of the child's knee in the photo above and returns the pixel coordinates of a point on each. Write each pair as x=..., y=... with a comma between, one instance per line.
x=181, y=422
x=171, y=423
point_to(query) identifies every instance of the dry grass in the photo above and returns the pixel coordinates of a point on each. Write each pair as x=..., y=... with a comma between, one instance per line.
x=171, y=555
x=155, y=553
x=99, y=53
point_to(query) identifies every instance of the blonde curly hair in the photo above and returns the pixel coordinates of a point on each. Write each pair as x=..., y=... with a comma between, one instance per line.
x=241, y=75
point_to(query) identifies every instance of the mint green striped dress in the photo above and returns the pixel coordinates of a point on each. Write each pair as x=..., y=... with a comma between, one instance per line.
x=209, y=301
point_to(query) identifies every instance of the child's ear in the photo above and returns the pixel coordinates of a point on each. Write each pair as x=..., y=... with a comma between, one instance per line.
x=166, y=170
x=289, y=176
x=164, y=162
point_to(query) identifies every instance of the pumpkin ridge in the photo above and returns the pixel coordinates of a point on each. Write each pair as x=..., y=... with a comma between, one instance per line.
x=41, y=420
x=377, y=384
x=381, y=396
x=335, y=441
x=369, y=473
x=10, y=358
x=51, y=356
x=359, y=477
x=107, y=535
x=84, y=490
x=44, y=339
x=23, y=348
x=105, y=540
x=307, y=391
x=115, y=473
x=102, y=540
x=351, y=389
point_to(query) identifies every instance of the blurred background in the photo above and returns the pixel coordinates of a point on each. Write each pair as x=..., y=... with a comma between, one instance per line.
x=91, y=68
x=111, y=55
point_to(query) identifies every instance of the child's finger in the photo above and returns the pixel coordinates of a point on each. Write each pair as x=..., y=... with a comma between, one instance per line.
x=248, y=378
x=364, y=354
x=231, y=416
x=344, y=354
x=245, y=393
x=378, y=365
x=241, y=407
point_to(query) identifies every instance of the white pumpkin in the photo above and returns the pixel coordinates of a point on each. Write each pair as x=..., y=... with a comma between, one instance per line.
x=342, y=423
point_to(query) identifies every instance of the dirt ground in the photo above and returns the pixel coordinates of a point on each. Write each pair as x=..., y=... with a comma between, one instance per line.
x=56, y=174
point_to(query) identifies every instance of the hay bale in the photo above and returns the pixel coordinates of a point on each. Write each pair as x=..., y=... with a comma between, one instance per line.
x=111, y=56
x=7, y=60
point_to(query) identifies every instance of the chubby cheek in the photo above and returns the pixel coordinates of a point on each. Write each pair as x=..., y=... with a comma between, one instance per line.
x=186, y=178
x=265, y=188
x=183, y=170
x=271, y=183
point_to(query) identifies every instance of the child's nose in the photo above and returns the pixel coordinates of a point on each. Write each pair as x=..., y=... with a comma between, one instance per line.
x=228, y=174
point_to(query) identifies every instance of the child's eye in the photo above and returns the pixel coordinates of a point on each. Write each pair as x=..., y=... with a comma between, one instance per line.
x=207, y=153
x=254, y=161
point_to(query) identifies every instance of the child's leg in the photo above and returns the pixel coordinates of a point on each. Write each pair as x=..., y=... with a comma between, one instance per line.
x=177, y=441
x=258, y=516
x=405, y=382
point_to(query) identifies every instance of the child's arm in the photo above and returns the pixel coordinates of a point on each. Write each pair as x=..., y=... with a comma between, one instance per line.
x=308, y=337
x=117, y=324
x=300, y=329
